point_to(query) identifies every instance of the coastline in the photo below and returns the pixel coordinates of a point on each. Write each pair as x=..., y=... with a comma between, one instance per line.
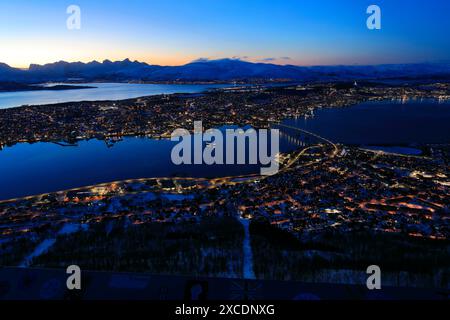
x=20, y=87
x=185, y=96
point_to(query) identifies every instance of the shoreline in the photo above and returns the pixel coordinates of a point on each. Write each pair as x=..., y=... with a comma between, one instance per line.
x=160, y=136
x=19, y=87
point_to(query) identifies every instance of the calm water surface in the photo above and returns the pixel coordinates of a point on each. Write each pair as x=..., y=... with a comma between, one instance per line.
x=103, y=91
x=27, y=169
x=382, y=122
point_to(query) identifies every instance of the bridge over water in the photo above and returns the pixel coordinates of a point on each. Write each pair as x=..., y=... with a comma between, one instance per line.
x=302, y=136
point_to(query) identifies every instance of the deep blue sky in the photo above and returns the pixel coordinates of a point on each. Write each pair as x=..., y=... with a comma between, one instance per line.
x=173, y=32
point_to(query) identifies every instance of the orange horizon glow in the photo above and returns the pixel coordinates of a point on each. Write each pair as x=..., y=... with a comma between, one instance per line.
x=179, y=61
x=175, y=32
x=151, y=60
x=20, y=53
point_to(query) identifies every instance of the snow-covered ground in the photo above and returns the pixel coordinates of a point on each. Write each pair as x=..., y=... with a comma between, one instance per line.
x=177, y=197
x=40, y=249
x=45, y=245
x=248, y=272
x=70, y=228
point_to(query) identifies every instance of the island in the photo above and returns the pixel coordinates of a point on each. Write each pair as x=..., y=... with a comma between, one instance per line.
x=15, y=86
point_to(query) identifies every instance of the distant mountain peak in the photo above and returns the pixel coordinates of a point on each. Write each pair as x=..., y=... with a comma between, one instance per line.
x=5, y=66
x=205, y=69
x=207, y=60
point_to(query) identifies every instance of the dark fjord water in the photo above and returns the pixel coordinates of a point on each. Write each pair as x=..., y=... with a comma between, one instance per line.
x=382, y=123
x=28, y=169
x=101, y=91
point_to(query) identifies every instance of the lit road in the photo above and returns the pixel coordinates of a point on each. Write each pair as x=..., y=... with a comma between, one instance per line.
x=211, y=183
